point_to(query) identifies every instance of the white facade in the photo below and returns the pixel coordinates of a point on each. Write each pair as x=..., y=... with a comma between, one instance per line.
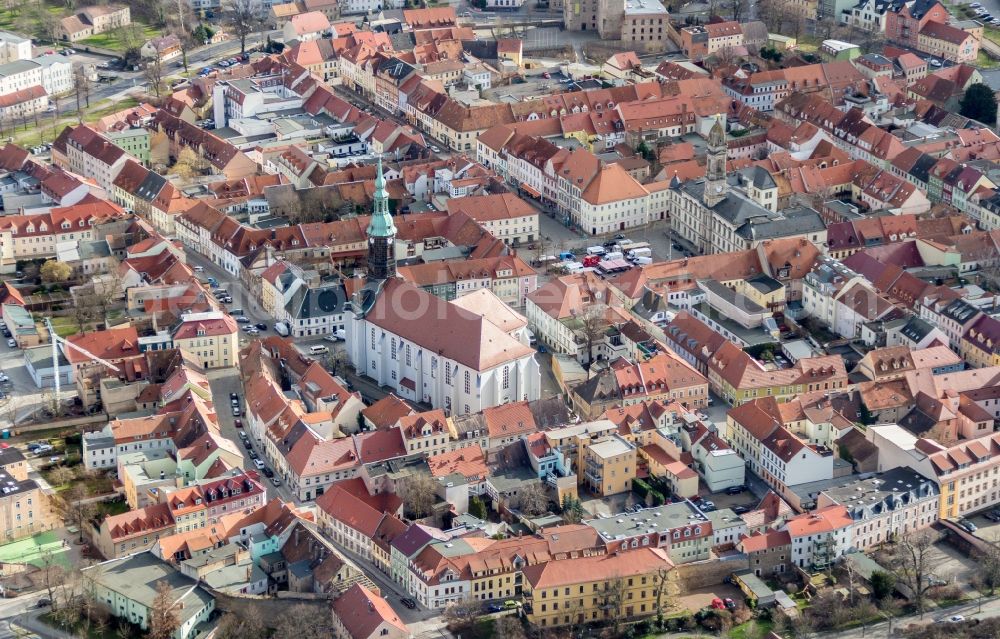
x=720, y=469
x=13, y=47
x=805, y=466
x=52, y=72
x=808, y=550
x=443, y=383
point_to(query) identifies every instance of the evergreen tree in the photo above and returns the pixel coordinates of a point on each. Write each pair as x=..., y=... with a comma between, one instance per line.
x=979, y=103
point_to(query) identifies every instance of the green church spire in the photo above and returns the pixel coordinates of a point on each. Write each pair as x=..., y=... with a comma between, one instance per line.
x=381, y=224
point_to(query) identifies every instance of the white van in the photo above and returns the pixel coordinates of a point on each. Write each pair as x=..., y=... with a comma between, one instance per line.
x=640, y=252
x=319, y=349
x=643, y=260
x=596, y=250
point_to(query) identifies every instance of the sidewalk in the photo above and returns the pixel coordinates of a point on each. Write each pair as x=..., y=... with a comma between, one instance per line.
x=30, y=622
x=970, y=610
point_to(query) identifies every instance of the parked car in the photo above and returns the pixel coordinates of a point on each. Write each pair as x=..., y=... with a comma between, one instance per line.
x=739, y=510
x=238, y=423
x=251, y=453
x=267, y=472
x=242, y=319
x=735, y=490
x=967, y=525
x=259, y=464
x=43, y=602
x=956, y=619
x=260, y=326
x=275, y=481
x=11, y=343
x=236, y=411
x=495, y=607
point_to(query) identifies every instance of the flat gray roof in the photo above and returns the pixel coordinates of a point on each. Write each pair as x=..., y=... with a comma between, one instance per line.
x=135, y=577
x=752, y=336
x=662, y=518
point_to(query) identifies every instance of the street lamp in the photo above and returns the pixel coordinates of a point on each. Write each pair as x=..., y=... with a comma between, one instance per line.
x=888, y=618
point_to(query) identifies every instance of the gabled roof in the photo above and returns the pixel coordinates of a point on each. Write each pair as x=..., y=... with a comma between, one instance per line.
x=362, y=613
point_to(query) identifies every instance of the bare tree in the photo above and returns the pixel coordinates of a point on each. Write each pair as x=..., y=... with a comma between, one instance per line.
x=419, y=493
x=989, y=568
x=81, y=87
x=304, y=622
x=163, y=619
x=246, y=19
x=335, y=360
x=772, y=14
x=592, y=326
x=913, y=563
x=660, y=583
x=532, y=499
x=61, y=475
x=247, y=625
x=131, y=37
x=52, y=575
x=508, y=627
x=74, y=510
x=37, y=20
x=741, y=8
x=152, y=71
x=82, y=313
x=612, y=597
x=463, y=613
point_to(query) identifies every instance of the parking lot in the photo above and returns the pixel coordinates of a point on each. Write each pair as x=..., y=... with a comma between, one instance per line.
x=954, y=567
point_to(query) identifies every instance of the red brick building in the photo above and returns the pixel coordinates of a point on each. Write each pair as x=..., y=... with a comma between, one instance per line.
x=904, y=25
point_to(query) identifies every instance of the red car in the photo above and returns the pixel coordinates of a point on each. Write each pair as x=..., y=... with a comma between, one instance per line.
x=238, y=423
x=547, y=75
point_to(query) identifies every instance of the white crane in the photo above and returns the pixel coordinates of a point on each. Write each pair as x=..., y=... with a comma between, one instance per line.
x=56, y=340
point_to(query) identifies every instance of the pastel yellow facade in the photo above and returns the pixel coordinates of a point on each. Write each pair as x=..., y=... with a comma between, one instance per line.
x=609, y=466
x=592, y=589
x=211, y=351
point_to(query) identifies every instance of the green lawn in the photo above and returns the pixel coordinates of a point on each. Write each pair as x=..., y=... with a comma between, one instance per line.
x=986, y=62
x=111, y=39
x=32, y=549
x=808, y=44
x=108, y=508
x=65, y=326
x=763, y=627
x=8, y=18
x=107, y=108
